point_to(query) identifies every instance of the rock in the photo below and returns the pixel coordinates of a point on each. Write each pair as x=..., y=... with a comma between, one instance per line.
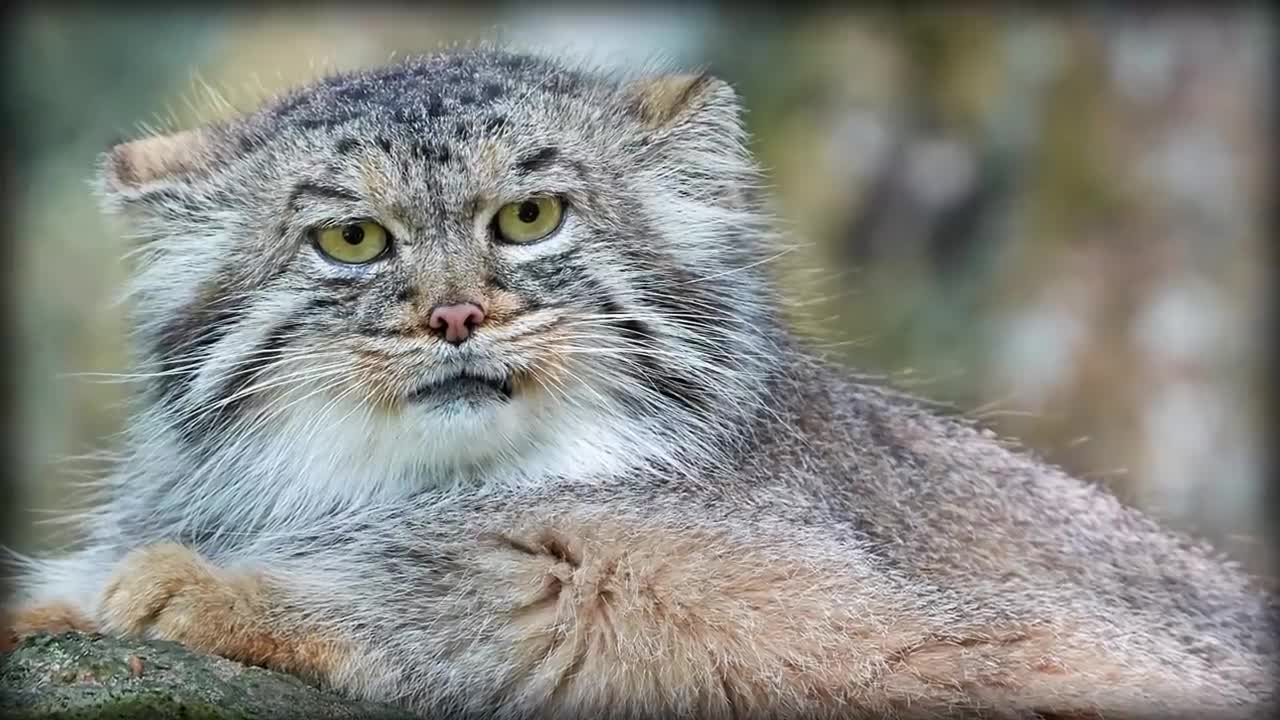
x=94, y=676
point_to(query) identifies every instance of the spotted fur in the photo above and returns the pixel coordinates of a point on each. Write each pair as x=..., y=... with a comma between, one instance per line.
x=679, y=511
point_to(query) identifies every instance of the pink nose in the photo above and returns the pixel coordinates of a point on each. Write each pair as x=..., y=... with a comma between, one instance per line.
x=456, y=321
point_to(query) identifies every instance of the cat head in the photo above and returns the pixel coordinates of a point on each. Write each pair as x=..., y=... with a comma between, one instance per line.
x=451, y=263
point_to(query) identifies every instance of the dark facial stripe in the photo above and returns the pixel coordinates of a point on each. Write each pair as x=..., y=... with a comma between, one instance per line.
x=681, y=390
x=553, y=272
x=432, y=152
x=340, y=282
x=381, y=331
x=495, y=123
x=183, y=342
x=203, y=432
x=633, y=330
x=329, y=192
x=346, y=146
x=536, y=160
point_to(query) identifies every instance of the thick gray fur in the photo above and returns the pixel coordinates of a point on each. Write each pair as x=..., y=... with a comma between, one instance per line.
x=683, y=407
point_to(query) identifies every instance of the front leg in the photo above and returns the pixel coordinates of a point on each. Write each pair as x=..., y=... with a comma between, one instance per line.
x=53, y=618
x=558, y=607
x=169, y=592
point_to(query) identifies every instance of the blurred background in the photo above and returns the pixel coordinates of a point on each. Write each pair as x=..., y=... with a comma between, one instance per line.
x=1054, y=222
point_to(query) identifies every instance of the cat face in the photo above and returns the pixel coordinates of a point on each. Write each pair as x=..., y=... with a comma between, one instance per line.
x=471, y=259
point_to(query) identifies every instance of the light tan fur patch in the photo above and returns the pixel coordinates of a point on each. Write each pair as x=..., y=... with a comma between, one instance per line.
x=689, y=621
x=169, y=592
x=53, y=618
x=142, y=161
x=606, y=613
x=500, y=306
x=382, y=392
x=663, y=101
x=548, y=373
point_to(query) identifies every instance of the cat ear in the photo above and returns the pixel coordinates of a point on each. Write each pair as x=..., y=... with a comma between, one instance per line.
x=666, y=102
x=134, y=167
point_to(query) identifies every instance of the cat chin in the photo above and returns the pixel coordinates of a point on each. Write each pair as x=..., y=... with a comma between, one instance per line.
x=449, y=437
x=466, y=430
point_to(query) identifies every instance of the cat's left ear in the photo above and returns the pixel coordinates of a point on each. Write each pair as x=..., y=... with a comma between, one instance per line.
x=131, y=169
x=667, y=103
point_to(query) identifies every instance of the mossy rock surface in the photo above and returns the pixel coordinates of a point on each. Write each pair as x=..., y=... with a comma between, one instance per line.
x=75, y=676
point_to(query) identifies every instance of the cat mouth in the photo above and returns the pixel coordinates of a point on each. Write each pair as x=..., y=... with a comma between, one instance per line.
x=463, y=386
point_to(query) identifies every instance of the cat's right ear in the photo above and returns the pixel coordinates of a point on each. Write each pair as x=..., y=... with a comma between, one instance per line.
x=664, y=103
x=131, y=170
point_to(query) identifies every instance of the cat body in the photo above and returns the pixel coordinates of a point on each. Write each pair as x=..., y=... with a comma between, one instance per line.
x=621, y=487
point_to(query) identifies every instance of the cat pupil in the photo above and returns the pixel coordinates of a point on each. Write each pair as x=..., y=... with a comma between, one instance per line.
x=353, y=234
x=528, y=211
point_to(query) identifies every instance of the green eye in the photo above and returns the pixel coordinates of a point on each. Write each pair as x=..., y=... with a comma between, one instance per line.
x=529, y=220
x=353, y=244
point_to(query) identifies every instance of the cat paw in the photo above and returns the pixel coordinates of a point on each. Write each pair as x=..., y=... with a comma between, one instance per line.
x=52, y=618
x=169, y=592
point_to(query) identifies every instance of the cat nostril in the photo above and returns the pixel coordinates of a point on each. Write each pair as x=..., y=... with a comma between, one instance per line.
x=456, y=321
